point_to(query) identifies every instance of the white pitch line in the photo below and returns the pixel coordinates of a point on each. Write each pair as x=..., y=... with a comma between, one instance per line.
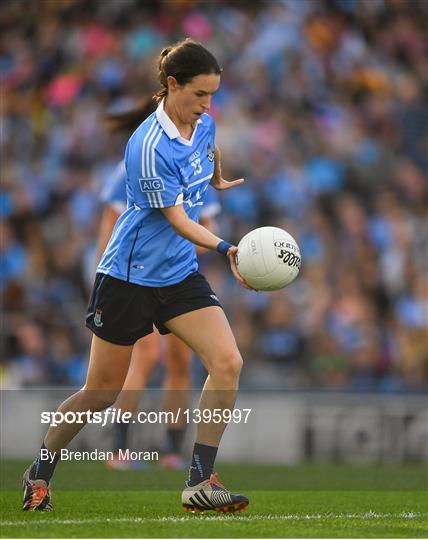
x=186, y=519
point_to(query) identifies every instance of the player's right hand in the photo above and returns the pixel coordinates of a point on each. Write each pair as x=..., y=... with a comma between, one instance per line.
x=231, y=255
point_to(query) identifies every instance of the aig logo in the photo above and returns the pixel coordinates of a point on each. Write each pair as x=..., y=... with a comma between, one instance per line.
x=150, y=185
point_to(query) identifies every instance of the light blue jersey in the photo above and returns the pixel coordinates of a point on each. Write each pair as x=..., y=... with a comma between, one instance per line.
x=162, y=169
x=113, y=194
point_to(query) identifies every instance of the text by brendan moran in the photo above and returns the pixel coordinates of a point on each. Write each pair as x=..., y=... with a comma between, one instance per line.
x=99, y=455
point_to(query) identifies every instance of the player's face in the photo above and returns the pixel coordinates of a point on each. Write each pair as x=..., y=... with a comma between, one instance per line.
x=194, y=98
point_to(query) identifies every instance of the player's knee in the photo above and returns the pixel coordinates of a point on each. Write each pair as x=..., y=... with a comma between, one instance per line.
x=147, y=349
x=235, y=365
x=228, y=367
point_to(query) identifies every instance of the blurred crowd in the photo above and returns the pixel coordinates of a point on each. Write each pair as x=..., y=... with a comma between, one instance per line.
x=323, y=109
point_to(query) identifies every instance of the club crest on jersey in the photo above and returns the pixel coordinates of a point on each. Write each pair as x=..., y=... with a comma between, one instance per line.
x=210, y=152
x=97, y=317
x=151, y=185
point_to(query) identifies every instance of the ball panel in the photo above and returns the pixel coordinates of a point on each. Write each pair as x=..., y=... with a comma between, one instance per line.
x=268, y=258
x=245, y=261
x=253, y=249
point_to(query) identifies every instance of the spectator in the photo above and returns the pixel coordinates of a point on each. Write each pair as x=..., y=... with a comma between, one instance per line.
x=323, y=111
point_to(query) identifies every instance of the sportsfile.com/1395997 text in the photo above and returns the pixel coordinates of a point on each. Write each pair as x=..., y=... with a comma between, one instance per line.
x=113, y=415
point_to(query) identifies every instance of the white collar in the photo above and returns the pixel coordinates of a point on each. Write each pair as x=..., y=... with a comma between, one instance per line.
x=170, y=128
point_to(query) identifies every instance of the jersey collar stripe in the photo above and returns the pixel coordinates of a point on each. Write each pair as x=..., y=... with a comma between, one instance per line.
x=147, y=150
x=153, y=154
x=199, y=181
x=143, y=165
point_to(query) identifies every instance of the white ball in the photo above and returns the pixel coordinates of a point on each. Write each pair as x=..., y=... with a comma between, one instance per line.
x=268, y=258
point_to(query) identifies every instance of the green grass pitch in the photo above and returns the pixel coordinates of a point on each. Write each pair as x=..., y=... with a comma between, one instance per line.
x=314, y=500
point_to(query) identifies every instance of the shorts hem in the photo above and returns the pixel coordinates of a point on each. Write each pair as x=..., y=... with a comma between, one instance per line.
x=204, y=302
x=114, y=340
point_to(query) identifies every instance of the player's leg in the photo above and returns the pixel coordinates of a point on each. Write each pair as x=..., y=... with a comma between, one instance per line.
x=208, y=333
x=176, y=386
x=107, y=370
x=108, y=366
x=145, y=355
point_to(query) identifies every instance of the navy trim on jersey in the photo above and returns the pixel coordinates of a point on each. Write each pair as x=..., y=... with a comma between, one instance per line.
x=132, y=251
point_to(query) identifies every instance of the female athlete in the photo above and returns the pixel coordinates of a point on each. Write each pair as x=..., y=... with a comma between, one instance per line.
x=149, y=275
x=147, y=351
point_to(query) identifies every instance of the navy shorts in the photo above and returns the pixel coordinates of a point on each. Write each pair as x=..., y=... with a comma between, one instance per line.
x=122, y=312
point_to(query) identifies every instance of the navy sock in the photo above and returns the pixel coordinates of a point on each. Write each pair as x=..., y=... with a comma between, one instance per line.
x=120, y=431
x=45, y=464
x=174, y=440
x=202, y=463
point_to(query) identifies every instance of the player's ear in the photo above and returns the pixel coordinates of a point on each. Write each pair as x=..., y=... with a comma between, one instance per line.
x=172, y=83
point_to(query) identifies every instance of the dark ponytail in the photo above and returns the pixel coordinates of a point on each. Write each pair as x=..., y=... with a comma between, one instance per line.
x=183, y=61
x=128, y=120
x=163, y=91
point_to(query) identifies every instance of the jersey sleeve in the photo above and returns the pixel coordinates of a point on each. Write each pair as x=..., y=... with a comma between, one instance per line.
x=161, y=185
x=154, y=178
x=114, y=191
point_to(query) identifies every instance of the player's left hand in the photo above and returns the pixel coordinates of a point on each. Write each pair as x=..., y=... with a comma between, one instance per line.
x=231, y=255
x=217, y=181
x=220, y=183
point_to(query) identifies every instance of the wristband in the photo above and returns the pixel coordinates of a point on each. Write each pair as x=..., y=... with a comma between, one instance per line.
x=223, y=247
